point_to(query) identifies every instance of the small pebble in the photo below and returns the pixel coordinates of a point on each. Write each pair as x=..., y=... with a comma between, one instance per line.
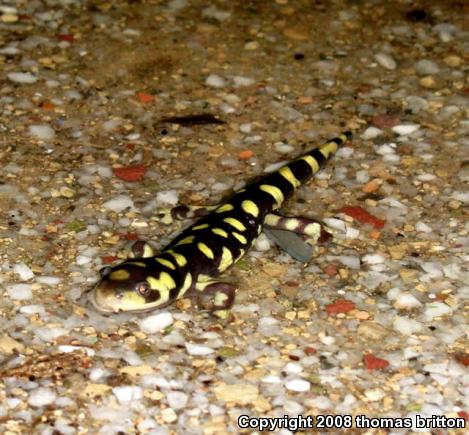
x=240, y=81
x=156, y=322
x=426, y=67
x=298, y=385
x=371, y=133
x=436, y=309
x=48, y=280
x=283, y=148
x=119, y=203
x=385, y=60
x=177, y=399
x=128, y=393
x=406, y=301
x=43, y=132
x=25, y=78
x=406, y=325
x=170, y=197
x=41, y=397
x=19, y=291
x=197, y=349
x=262, y=243
x=373, y=259
x=23, y=271
x=215, y=81
x=405, y=129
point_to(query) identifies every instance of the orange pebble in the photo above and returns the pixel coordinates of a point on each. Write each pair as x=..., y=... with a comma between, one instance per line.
x=245, y=155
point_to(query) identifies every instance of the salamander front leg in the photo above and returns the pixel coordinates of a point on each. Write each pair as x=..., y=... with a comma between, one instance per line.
x=181, y=212
x=141, y=249
x=215, y=297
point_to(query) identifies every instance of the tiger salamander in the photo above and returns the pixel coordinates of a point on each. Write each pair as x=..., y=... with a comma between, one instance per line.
x=191, y=263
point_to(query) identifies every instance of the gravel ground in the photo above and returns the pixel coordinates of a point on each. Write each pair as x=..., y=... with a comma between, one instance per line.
x=373, y=326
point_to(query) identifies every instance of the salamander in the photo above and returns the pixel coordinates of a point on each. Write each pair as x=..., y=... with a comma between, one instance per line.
x=189, y=266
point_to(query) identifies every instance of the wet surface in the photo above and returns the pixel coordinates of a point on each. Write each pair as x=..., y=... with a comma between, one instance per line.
x=98, y=136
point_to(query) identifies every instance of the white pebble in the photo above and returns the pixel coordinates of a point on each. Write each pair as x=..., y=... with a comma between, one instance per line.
x=406, y=326
x=215, y=81
x=262, y=243
x=19, y=77
x=327, y=340
x=19, y=291
x=426, y=177
x=298, y=385
x=385, y=60
x=406, y=301
x=177, y=399
x=373, y=259
x=245, y=128
x=461, y=196
x=426, y=67
x=374, y=394
x=82, y=259
x=50, y=334
x=23, y=271
x=41, y=397
x=197, y=349
x=274, y=166
x=119, y=203
x=243, y=81
x=111, y=124
x=351, y=233
x=271, y=379
x=43, y=132
x=98, y=373
x=156, y=322
x=283, y=148
x=128, y=393
x=293, y=368
x=362, y=176
x=371, y=133
x=384, y=150
x=335, y=224
x=170, y=197
x=423, y=227
x=405, y=129
x=436, y=309
x=351, y=261
x=48, y=280
x=32, y=309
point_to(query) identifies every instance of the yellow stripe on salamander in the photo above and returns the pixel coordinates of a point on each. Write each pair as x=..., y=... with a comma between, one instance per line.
x=205, y=250
x=274, y=192
x=250, y=207
x=287, y=173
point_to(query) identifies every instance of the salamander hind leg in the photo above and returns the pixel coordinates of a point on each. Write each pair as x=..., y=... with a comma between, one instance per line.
x=215, y=297
x=296, y=235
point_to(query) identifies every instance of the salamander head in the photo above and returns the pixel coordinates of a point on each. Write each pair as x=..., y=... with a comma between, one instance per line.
x=128, y=287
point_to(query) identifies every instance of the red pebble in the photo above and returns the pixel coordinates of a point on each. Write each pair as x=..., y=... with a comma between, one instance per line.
x=143, y=97
x=374, y=363
x=108, y=259
x=330, y=270
x=462, y=358
x=384, y=121
x=361, y=215
x=130, y=173
x=340, y=306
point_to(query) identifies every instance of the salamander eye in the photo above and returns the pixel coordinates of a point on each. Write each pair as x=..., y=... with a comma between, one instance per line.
x=143, y=288
x=105, y=271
